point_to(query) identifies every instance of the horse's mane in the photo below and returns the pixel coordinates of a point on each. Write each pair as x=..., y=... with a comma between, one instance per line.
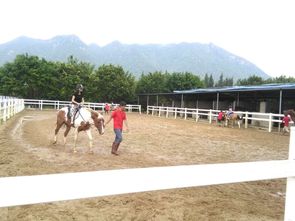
x=94, y=113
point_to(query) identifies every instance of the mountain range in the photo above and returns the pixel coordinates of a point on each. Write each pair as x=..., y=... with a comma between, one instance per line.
x=196, y=58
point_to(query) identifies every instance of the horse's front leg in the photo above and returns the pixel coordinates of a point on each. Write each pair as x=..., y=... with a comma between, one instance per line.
x=58, y=126
x=88, y=132
x=75, y=140
x=66, y=133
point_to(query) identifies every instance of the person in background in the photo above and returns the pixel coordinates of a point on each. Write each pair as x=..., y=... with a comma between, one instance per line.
x=220, y=117
x=229, y=112
x=286, y=119
x=118, y=116
x=77, y=101
x=107, y=108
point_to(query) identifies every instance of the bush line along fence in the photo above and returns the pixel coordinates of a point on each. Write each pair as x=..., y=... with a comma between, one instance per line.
x=24, y=190
x=263, y=119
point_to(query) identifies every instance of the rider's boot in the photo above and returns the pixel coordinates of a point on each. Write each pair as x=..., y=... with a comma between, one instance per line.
x=73, y=119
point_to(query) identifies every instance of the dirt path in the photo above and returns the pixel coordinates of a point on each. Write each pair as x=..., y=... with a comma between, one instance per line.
x=26, y=149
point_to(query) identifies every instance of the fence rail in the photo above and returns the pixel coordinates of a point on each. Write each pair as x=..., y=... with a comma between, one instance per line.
x=25, y=190
x=41, y=104
x=9, y=106
x=211, y=115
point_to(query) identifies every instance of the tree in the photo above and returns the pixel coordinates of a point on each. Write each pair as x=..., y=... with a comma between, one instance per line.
x=228, y=82
x=252, y=80
x=183, y=81
x=281, y=79
x=211, y=81
x=113, y=84
x=220, y=81
x=28, y=77
x=206, y=80
x=74, y=72
x=152, y=83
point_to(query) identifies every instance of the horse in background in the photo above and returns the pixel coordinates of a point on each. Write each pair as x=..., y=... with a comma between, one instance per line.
x=233, y=119
x=84, y=119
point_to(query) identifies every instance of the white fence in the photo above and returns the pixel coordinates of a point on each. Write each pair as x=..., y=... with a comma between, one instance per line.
x=9, y=106
x=25, y=190
x=211, y=115
x=41, y=104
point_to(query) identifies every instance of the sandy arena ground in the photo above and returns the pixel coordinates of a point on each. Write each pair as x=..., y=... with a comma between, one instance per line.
x=26, y=149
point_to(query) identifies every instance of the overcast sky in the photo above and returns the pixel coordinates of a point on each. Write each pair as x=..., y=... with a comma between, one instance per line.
x=261, y=31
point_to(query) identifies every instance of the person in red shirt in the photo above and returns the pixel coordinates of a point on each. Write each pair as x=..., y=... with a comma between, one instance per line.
x=220, y=117
x=118, y=116
x=286, y=121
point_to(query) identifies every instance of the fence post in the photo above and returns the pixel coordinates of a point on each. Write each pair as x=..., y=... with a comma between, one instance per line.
x=246, y=120
x=197, y=115
x=290, y=186
x=167, y=112
x=10, y=108
x=41, y=104
x=5, y=109
x=185, y=113
x=175, y=109
x=210, y=116
x=270, y=122
x=14, y=106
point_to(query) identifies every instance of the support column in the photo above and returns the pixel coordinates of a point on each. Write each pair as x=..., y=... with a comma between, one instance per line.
x=290, y=188
x=280, y=107
x=217, y=101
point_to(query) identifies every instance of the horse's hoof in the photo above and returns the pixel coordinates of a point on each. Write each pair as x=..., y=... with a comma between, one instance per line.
x=54, y=142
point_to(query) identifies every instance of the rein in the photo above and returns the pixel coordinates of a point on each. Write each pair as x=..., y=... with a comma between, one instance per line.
x=79, y=113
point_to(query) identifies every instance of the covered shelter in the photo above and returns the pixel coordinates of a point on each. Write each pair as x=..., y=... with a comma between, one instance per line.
x=267, y=98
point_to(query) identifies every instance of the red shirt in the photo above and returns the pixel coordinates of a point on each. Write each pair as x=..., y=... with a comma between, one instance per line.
x=118, y=116
x=220, y=115
x=286, y=121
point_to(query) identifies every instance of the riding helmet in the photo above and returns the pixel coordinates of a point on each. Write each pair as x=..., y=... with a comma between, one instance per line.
x=79, y=87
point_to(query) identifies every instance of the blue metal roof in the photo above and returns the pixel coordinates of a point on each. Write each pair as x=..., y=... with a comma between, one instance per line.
x=263, y=87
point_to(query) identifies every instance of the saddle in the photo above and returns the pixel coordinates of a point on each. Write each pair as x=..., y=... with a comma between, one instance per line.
x=74, y=112
x=230, y=114
x=69, y=115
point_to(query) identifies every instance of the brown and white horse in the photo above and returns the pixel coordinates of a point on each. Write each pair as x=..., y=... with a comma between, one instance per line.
x=84, y=119
x=233, y=118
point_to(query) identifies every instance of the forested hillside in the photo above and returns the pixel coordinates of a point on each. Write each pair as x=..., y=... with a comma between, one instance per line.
x=196, y=58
